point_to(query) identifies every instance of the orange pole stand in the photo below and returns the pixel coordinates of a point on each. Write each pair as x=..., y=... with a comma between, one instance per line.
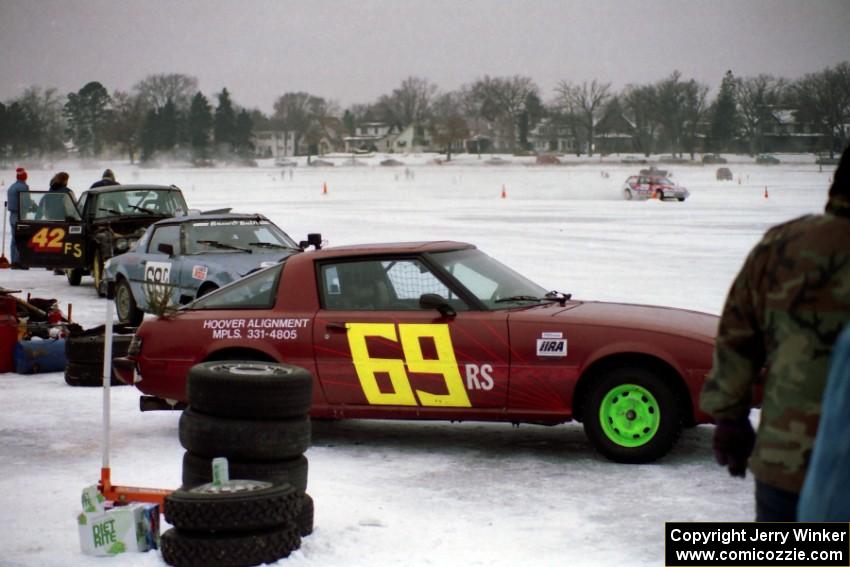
x=765, y=192
x=504, y=193
x=324, y=188
x=126, y=494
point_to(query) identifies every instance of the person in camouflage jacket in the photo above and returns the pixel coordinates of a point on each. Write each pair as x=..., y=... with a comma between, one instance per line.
x=782, y=317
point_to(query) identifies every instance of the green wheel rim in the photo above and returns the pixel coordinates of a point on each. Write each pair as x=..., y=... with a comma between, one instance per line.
x=629, y=415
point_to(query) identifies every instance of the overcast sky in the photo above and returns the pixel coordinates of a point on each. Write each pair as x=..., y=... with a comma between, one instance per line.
x=355, y=51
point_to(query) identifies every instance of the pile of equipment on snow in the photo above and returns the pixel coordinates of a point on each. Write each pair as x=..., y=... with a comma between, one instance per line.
x=32, y=334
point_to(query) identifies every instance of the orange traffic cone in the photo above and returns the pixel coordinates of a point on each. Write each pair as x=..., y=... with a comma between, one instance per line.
x=504, y=193
x=325, y=188
x=765, y=191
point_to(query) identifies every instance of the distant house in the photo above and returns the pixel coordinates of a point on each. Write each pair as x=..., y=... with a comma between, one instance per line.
x=782, y=132
x=372, y=136
x=274, y=143
x=328, y=135
x=553, y=135
x=412, y=138
x=614, y=133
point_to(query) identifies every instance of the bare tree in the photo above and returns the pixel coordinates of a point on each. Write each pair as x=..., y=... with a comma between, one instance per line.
x=44, y=122
x=156, y=90
x=584, y=102
x=410, y=103
x=694, y=109
x=639, y=102
x=448, y=126
x=503, y=99
x=757, y=96
x=296, y=111
x=824, y=98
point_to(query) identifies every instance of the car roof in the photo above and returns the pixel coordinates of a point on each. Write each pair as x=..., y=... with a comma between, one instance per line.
x=193, y=217
x=134, y=187
x=392, y=248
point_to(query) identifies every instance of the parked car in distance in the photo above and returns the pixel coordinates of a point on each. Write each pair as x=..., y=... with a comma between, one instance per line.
x=180, y=259
x=442, y=331
x=724, y=174
x=653, y=187
x=713, y=158
x=104, y=222
x=767, y=159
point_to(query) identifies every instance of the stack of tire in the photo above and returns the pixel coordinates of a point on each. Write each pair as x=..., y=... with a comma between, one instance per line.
x=84, y=354
x=255, y=415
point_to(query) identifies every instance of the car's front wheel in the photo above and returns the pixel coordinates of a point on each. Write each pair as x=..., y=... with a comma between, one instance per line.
x=74, y=275
x=125, y=305
x=632, y=416
x=97, y=274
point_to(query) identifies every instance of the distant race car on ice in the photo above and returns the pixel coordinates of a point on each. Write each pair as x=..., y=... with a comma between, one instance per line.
x=441, y=331
x=653, y=187
x=180, y=259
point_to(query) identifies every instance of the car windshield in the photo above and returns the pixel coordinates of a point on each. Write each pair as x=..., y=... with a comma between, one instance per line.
x=662, y=181
x=493, y=283
x=239, y=235
x=139, y=202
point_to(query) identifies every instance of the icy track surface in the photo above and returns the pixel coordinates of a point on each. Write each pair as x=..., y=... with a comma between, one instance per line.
x=410, y=494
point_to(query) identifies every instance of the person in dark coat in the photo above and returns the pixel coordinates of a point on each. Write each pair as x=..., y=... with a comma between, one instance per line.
x=783, y=314
x=15, y=189
x=107, y=179
x=52, y=207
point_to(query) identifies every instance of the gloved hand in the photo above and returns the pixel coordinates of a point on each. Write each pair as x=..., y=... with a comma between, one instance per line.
x=733, y=443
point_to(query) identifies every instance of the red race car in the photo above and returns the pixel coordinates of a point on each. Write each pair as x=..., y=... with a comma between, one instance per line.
x=440, y=330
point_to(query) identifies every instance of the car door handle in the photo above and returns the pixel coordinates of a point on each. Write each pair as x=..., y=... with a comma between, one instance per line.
x=336, y=326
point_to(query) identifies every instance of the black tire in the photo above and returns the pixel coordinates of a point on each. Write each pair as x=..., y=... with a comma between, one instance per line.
x=304, y=520
x=661, y=406
x=250, y=390
x=198, y=470
x=188, y=549
x=125, y=304
x=681, y=199
x=97, y=274
x=88, y=349
x=242, y=439
x=74, y=275
x=238, y=506
x=84, y=374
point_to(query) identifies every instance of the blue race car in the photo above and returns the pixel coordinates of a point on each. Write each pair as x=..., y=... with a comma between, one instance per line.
x=180, y=259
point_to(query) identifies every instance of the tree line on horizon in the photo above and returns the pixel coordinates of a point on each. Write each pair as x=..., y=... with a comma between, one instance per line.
x=167, y=115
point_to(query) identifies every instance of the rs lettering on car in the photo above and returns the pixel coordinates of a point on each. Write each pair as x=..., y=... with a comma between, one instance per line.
x=403, y=393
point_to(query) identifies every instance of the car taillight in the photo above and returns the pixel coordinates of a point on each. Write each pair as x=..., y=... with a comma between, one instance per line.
x=135, y=347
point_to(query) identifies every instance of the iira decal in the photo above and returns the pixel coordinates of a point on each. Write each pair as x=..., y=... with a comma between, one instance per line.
x=552, y=344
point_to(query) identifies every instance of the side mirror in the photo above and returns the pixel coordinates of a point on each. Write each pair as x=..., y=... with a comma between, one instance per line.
x=314, y=239
x=434, y=301
x=166, y=249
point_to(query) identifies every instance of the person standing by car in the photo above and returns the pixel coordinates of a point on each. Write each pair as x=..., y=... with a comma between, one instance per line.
x=106, y=180
x=15, y=189
x=52, y=206
x=782, y=317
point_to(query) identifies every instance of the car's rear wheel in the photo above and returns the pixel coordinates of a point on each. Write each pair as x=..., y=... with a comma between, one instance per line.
x=632, y=416
x=125, y=304
x=627, y=195
x=74, y=275
x=681, y=199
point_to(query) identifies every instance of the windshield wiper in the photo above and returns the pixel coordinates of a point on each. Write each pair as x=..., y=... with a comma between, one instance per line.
x=558, y=296
x=113, y=211
x=143, y=209
x=217, y=244
x=272, y=245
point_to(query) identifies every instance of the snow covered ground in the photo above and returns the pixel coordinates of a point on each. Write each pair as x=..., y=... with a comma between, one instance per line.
x=397, y=493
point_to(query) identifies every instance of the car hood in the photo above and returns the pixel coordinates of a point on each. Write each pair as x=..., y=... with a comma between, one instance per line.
x=668, y=320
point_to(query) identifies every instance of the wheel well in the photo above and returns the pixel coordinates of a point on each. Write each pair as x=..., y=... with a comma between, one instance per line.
x=651, y=363
x=240, y=354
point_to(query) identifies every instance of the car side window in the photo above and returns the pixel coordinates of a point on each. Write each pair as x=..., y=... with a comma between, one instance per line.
x=379, y=285
x=168, y=234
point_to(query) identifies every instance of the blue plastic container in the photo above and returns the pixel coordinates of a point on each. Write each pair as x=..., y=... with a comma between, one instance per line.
x=37, y=355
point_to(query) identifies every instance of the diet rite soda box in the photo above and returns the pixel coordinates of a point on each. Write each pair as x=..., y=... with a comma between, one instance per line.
x=134, y=527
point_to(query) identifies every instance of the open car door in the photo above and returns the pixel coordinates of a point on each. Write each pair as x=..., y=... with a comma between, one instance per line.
x=49, y=233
